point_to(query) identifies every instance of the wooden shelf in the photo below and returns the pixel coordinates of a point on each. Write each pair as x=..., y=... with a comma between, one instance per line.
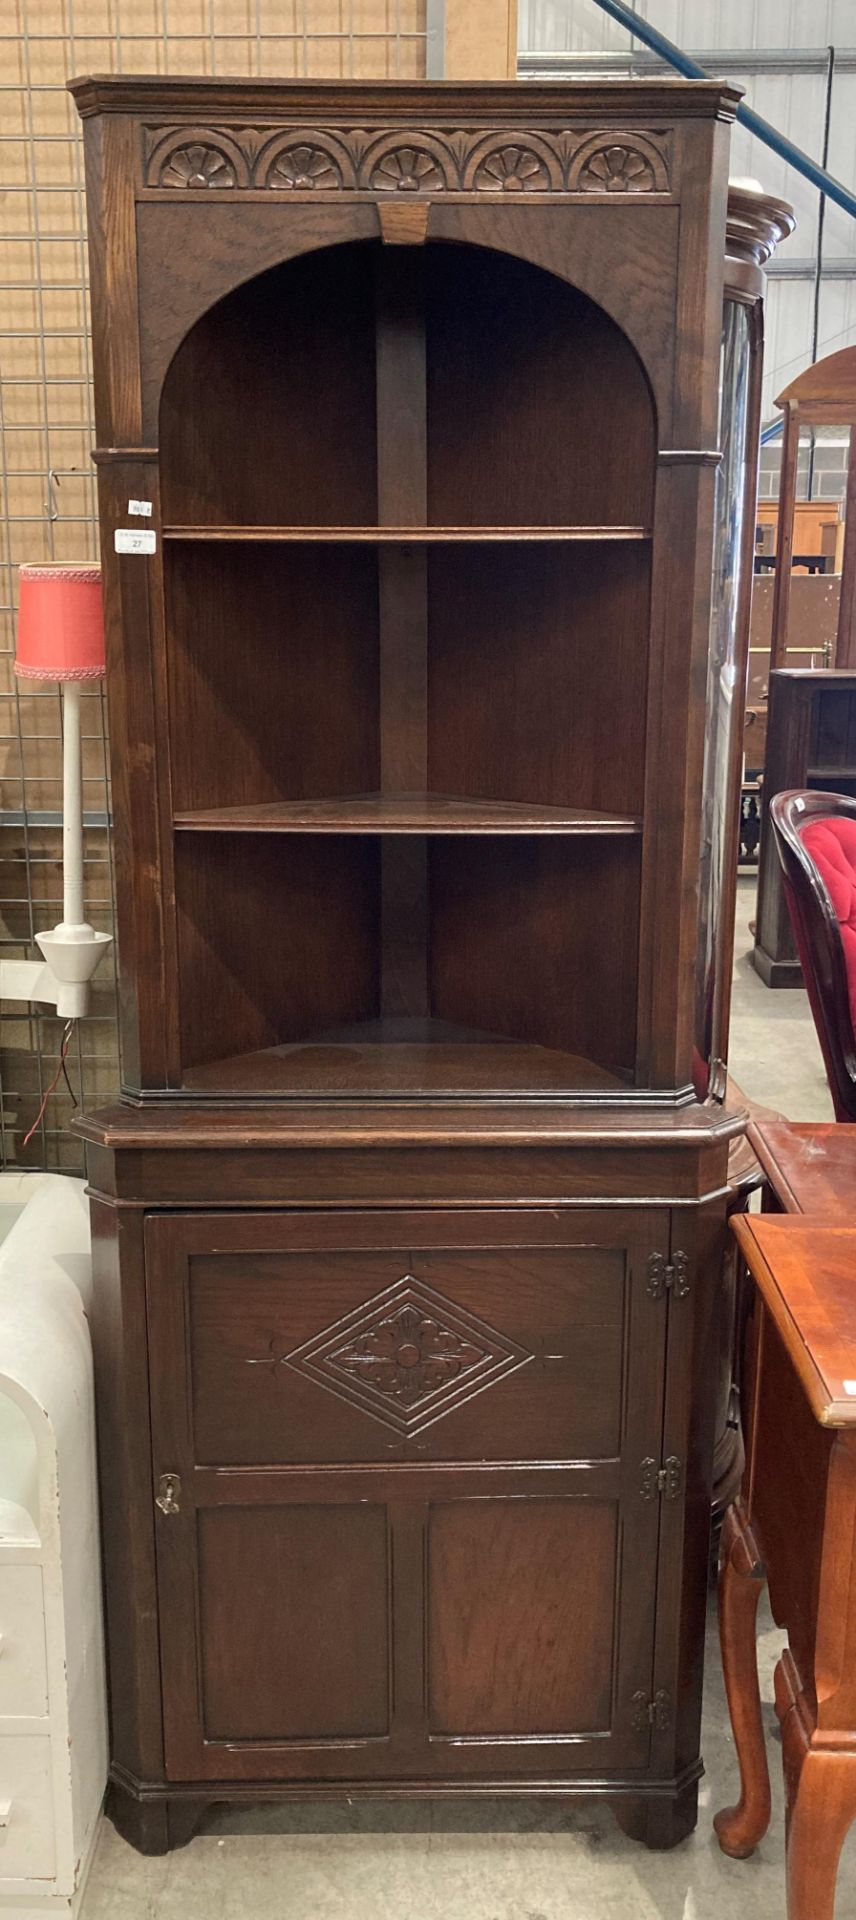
x=323, y=675
x=418, y=813
x=400, y=1057
x=831, y=773
x=406, y=536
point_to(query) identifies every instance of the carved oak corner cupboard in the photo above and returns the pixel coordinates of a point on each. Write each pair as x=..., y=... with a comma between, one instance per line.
x=408, y=1229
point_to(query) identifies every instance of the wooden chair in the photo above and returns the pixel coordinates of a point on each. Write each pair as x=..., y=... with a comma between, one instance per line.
x=815, y=837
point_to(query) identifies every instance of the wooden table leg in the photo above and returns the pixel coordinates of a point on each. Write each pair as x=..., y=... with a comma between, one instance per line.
x=741, y=1580
x=823, y=1809
x=820, y=1798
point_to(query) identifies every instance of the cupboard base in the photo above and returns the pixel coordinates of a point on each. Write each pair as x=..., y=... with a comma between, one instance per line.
x=156, y=1819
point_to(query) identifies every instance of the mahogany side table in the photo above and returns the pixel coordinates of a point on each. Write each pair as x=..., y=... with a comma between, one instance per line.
x=794, y=1527
x=809, y=1167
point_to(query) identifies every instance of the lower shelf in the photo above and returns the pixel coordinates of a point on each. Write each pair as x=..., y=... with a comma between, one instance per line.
x=414, y=813
x=403, y=1056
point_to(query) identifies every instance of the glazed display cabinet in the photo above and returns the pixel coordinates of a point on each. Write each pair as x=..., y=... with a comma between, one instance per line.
x=408, y=1227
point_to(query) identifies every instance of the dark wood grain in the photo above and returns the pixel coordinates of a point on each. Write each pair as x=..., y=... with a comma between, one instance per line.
x=516, y=710
x=407, y=759
x=528, y=658
x=298, y=971
x=510, y=927
x=398, y=813
x=494, y=323
x=398, y=536
x=560, y=1314
x=313, y=1580
x=284, y=639
x=575, y=245
x=238, y=363
x=243, y=1528
x=403, y=622
x=120, y=1352
x=133, y=633
x=415, y=1057
x=184, y=96
x=509, y=1669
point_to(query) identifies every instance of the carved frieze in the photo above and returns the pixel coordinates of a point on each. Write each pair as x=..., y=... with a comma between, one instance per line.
x=308, y=160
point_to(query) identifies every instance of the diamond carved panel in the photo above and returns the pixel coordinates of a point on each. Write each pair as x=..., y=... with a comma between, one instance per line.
x=407, y=1356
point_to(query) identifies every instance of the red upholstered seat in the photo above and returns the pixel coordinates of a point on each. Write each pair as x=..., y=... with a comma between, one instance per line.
x=831, y=844
x=815, y=838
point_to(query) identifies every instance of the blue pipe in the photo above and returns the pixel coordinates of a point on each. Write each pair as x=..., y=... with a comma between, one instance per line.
x=683, y=63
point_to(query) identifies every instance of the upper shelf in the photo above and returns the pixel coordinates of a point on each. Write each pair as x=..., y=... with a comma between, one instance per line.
x=424, y=813
x=408, y=536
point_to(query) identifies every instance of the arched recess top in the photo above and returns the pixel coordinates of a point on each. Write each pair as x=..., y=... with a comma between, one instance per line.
x=242, y=241
x=270, y=407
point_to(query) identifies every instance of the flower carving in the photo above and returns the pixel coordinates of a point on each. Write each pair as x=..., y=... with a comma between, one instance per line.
x=512, y=170
x=617, y=170
x=409, y=1356
x=309, y=159
x=198, y=166
x=407, y=170
x=304, y=169
x=405, y=1356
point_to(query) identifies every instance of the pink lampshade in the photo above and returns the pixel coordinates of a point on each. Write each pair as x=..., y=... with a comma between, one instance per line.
x=60, y=623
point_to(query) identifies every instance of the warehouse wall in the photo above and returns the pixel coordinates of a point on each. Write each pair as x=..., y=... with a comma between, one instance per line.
x=789, y=90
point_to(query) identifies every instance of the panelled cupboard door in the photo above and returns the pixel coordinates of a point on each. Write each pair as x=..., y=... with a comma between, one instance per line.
x=347, y=1588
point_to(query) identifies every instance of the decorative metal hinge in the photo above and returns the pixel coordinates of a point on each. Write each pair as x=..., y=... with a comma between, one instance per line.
x=656, y=1713
x=668, y=1276
x=168, y=1496
x=664, y=1480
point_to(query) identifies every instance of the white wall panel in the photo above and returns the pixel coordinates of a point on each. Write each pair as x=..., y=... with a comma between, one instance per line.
x=787, y=336
x=794, y=103
x=840, y=234
x=732, y=24
x=751, y=23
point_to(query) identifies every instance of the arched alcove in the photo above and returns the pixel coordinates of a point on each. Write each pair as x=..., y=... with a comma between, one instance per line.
x=407, y=497
x=268, y=409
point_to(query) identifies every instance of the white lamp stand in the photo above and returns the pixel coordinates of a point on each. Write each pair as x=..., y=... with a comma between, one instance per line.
x=73, y=949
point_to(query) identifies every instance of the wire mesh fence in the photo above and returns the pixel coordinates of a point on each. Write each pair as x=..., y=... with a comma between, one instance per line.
x=47, y=488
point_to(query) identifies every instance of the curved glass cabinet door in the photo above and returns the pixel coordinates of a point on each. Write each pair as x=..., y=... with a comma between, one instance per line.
x=755, y=225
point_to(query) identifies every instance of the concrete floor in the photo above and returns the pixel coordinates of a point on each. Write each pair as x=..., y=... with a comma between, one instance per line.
x=519, y=1860
x=774, y=1053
